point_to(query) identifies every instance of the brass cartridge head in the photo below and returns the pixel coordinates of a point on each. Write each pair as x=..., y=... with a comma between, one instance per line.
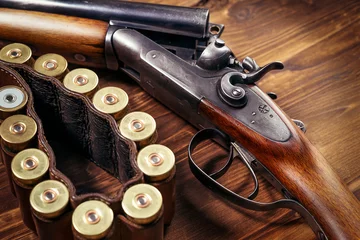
x=49, y=198
x=93, y=219
x=142, y=203
x=30, y=165
x=16, y=53
x=111, y=100
x=81, y=80
x=139, y=127
x=17, y=132
x=156, y=162
x=12, y=100
x=52, y=65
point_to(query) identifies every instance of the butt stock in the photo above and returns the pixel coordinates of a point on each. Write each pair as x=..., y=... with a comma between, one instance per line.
x=301, y=169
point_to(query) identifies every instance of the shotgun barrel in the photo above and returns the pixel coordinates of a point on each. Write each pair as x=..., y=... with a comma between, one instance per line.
x=192, y=22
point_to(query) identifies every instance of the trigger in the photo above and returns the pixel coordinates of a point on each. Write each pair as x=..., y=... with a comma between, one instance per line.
x=239, y=152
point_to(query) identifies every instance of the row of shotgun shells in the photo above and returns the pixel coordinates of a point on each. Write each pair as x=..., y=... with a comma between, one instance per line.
x=30, y=166
x=139, y=127
x=93, y=219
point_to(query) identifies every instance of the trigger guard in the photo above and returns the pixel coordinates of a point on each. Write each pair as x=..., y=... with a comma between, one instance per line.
x=235, y=198
x=222, y=139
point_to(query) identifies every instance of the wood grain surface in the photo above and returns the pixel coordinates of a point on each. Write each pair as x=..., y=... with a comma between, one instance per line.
x=319, y=44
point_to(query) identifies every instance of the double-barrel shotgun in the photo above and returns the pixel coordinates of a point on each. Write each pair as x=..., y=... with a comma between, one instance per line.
x=177, y=56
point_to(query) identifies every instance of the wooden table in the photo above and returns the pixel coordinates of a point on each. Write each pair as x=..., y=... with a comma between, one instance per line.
x=319, y=44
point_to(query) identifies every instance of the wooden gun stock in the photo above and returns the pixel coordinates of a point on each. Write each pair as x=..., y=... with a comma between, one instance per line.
x=302, y=170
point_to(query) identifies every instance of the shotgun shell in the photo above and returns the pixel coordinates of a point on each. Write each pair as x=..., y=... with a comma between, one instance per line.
x=17, y=53
x=156, y=162
x=111, y=100
x=29, y=166
x=142, y=203
x=81, y=80
x=17, y=132
x=139, y=127
x=92, y=220
x=12, y=100
x=49, y=198
x=52, y=65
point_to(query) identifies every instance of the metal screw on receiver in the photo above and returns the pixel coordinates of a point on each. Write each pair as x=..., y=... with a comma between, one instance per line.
x=13, y=99
x=92, y=220
x=139, y=127
x=17, y=53
x=82, y=80
x=52, y=65
x=113, y=101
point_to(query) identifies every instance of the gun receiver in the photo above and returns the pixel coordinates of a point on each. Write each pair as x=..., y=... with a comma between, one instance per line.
x=196, y=75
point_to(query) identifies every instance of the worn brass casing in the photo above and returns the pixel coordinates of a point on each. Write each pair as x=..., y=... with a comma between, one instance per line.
x=82, y=80
x=17, y=53
x=93, y=219
x=139, y=127
x=142, y=203
x=12, y=100
x=112, y=100
x=52, y=65
x=156, y=162
x=17, y=132
x=49, y=198
x=29, y=166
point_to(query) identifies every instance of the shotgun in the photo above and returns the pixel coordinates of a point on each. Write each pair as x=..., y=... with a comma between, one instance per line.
x=177, y=56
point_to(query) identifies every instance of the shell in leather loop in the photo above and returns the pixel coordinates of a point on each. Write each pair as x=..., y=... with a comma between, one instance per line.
x=82, y=80
x=13, y=100
x=112, y=100
x=51, y=64
x=17, y=53
x=29, y=167
x=92, y=220
x=157, y=162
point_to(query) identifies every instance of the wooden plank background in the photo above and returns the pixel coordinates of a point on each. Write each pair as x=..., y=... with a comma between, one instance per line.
x=318, y=41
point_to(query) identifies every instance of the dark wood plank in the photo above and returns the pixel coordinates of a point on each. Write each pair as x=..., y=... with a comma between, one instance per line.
x=319, y=43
